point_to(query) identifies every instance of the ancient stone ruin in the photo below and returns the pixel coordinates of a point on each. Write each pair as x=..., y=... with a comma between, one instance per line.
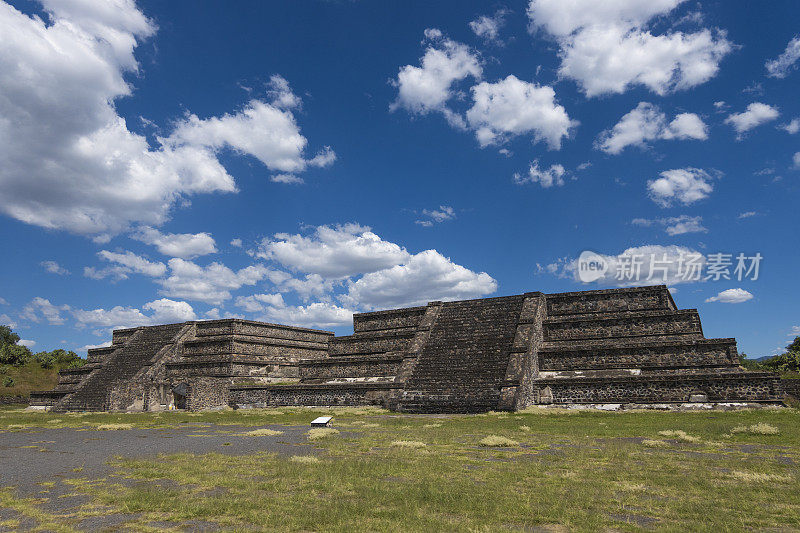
x=618, y=346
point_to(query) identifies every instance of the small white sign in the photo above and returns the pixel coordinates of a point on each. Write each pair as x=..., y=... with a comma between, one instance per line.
x=321, y=421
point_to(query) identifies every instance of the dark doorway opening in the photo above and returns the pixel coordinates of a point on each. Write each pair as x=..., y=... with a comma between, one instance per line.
x=179, y=393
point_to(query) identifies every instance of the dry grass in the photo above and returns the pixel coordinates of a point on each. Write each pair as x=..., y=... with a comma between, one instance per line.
x=498, y=441
x=757, y=429
x=593, y=472
x=408, y=444
x=304, y=459
x=677, y=434
x=652, y=443
x=321, y=433
x=113, y=427
x=525, y=428
x=261, y=433
x=757, y=477
x=538, y=410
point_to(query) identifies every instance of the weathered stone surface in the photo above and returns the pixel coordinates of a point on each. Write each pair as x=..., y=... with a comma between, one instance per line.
x=463, y=365
x=607, y=347
x=791, y=388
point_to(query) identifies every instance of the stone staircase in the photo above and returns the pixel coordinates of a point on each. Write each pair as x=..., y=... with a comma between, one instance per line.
x=463, y=366
x=118, y=363
x=615, y=346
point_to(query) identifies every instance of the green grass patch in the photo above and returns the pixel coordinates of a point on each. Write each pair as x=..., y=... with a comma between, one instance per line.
x=21, y=380
x=570, y=471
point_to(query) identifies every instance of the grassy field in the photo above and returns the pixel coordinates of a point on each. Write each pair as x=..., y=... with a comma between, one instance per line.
x=550, y=469
x=27, y=378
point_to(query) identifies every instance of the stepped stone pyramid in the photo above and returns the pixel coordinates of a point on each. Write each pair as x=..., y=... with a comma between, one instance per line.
x=617, y=346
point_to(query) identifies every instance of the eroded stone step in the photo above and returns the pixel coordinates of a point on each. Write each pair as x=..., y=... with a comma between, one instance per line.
x=622, y=353
x=630, y=324
x=610, y=300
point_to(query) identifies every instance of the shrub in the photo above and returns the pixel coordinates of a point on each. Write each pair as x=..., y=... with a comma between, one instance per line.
x=8, y=382
x=59, y=358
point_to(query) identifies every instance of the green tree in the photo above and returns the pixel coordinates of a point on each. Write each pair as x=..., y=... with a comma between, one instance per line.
x=7, y=336
x=58, y=358
x=794, y=346
x=14, y=354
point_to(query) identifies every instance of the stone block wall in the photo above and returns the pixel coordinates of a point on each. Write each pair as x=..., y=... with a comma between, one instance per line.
x=344, y=394
x=634, y=323
x=224, y=327
x=601, y=355
x=604, y=301
x=372, y=342
x=750, y=387
x=608, y=346
x=349, y=367
x=409, y=317
x=791, y=388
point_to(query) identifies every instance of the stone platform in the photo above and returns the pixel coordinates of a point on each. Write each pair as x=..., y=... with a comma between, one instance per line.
x=627, y=347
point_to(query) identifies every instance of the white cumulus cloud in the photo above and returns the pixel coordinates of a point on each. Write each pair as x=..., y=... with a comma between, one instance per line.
x=427, y=88
x=512, y=107
x=265, y=130
x=183, y=245
x=333, y=252
x=41, y=309
x=607, y=47
x=163, y=311
x=67, y=158
x=680, y=185
x=315, y=315
x=547, y=177
x=431, y=216
x=124, y=264
x=488, y=28
x=675, y=225
x=211, y=284
x=791, y=127
x=756, y=114
x=54, y=268
x=731, y=296
x=646, y=122
x=785, y=63
x=424, y=277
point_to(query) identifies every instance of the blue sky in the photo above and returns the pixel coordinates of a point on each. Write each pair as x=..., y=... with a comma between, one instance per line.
x=295, y=162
